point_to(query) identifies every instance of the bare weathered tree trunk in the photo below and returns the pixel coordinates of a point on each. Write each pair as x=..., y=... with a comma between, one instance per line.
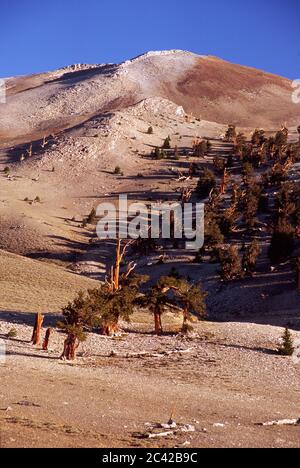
x=157, y=323
x=117, y=266
x=36, y=335
x=224, y=182
x=47, y=338
x=70, y=347
x=44, y=142
x=111, y=328
x=185, y=320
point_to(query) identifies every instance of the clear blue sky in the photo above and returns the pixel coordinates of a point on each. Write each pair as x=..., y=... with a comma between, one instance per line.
x=40, y=35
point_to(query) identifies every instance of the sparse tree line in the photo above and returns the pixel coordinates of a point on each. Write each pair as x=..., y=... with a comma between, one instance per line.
x=102, y=309
x=265, y=197
x=250, y=192
x=200, y=148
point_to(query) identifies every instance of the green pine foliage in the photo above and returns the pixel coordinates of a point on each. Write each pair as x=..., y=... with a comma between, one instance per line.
x=231, y=263
x=282, y=243
x=191, y=299
x=287, y=346
x=91, y=217
x=167, y=143
x=251, y=256
x=207, y=182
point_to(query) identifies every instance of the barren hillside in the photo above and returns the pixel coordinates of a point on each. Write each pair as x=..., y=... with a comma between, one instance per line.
x=208, y=87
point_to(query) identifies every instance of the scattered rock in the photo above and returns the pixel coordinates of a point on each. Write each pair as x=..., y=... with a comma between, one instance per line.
x=27, y=403
x=282, y=422
x=154, y=430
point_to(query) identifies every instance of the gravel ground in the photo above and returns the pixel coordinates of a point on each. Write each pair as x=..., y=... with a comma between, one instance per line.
x=230, y=380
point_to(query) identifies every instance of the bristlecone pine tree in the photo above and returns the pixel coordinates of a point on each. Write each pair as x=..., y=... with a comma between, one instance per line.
x=79, y=317
x=231, y=263
x=231, y=135
x=281, y=137
x=282, y=243
x=258, y=137
x=116, y=304
x=191, y=298
x=285, y=205
x=92, y=216
x=241, y=140
x=201, y=148
x=287, y=347
x=167, y=143
x=250, y=257
x=99, y=308
x=157, y=301
x=213, y=234
x=251, y=204
x=116, y=289
x=229, y=219
x=207, y=182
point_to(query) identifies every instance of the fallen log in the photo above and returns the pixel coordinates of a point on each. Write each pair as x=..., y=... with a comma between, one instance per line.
x=161, y=434
x=148, y=354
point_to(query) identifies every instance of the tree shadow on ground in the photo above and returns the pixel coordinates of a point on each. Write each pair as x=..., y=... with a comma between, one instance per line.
x=28, y=318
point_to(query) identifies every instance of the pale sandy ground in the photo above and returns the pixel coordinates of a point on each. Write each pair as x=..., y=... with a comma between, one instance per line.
x=230, y=381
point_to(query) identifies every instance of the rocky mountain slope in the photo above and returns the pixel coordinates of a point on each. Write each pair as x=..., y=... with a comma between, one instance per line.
x=205, y=86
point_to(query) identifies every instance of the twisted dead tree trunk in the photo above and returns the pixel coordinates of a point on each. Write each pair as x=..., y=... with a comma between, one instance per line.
x=158, y=323
x=185, y=319
x=46, y=339
x=225, y=180
x=112, y=327
x=70, y=346
x=36, y=335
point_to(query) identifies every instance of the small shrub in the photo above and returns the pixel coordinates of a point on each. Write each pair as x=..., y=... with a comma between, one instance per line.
x=231, y=135
x=6, y=170
x=201, y=148
x=12, y=333
x=287, y=346
x=150, y=131
x=91, y=217
x=167, y=143
x=176, y=154
x=158, y=154
x=118, y=171
x=37, y=200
